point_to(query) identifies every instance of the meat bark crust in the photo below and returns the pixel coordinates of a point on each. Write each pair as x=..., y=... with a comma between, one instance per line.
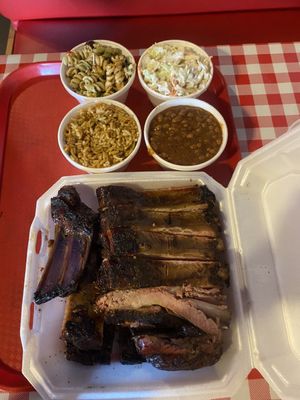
x=124, y=241
x=74, y=230
x=70, y=213
x=161, y=282
x=164, y=257
x=135, y=272
x=88, y=338
x=195, y=218
x=110, y=195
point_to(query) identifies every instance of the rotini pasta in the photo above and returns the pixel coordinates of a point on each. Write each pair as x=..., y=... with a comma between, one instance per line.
x=100, y=136
x=97, y=70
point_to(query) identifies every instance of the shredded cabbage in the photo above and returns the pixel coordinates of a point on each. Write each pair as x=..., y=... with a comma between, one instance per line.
x=175, y=70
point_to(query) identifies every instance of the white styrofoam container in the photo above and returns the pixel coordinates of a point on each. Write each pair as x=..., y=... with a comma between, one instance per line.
x=262, y=229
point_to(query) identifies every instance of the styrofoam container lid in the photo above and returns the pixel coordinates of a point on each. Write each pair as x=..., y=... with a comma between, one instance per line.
x=262, y=230
x=265, y=194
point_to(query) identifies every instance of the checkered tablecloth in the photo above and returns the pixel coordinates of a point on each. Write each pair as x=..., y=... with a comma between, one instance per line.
x=264, y=88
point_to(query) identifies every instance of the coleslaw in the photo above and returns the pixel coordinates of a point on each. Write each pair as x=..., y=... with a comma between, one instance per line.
x=175, y=69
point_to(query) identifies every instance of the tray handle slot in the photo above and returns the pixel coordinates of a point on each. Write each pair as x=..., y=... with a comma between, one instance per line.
x=36, y=258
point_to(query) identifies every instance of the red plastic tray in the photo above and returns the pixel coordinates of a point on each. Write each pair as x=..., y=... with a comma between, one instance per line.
x=33, y=102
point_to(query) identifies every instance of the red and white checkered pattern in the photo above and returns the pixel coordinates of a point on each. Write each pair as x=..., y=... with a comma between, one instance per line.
x=264, y=85
x=264, y=88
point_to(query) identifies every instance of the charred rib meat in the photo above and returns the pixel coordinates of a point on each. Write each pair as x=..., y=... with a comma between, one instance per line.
x=88, y=338
x=195, y=219
x=164, y=266
x=74, y=229
x=136, y=272
x=165, y=199
x=152, y=267
x=122, y=241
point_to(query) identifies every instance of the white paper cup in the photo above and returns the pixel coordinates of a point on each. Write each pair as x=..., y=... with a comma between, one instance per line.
x=120, y=95
x=185, y=102
x=73, y=112
x=156, y=97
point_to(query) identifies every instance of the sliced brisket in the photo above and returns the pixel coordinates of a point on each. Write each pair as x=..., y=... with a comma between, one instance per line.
x=171, y=300
x=173, y=354
x=128, y=352
x=143, y=317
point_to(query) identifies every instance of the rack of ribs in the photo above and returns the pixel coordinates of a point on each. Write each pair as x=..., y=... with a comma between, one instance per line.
x=164, y=274
x=149, y=269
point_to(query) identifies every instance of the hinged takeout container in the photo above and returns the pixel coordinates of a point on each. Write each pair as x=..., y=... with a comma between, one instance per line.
x=261, y=209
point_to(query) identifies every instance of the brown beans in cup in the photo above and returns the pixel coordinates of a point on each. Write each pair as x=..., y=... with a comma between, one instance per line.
x=185, y=135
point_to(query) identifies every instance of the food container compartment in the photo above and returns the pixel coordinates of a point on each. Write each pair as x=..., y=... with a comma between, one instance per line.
x=260, y=209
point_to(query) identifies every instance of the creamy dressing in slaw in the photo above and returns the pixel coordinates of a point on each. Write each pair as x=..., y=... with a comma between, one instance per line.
x=175, y=69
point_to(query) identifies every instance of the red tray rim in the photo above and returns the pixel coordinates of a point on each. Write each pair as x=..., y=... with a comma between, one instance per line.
x=12, y=380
